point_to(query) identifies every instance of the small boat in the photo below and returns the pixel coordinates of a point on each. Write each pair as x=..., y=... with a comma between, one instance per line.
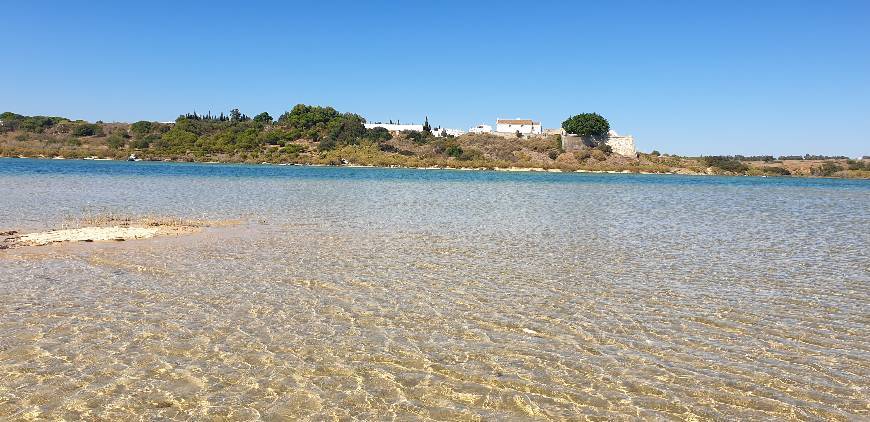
x=132, y=157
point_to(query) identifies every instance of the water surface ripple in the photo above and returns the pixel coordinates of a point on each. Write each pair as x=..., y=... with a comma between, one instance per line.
x=412, y=294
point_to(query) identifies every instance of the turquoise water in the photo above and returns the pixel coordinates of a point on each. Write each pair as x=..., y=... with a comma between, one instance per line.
x=372, y=293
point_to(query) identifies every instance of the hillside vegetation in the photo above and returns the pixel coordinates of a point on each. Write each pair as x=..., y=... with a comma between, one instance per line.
x=322, y=135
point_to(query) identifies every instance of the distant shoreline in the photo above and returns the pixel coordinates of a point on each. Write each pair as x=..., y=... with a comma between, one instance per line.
x=514, y=169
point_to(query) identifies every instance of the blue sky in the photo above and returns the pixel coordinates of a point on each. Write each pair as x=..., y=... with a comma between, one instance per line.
x=688, y=77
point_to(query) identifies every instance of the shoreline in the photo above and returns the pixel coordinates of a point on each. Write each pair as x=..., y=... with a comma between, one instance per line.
x=512, y=169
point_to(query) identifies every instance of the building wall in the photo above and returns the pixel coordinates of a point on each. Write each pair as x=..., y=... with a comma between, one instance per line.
x=622, y=145
x=524, y=129
x=481, y=129
x=394, y=127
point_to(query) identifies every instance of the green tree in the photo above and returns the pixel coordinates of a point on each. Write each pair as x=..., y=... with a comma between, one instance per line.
x=115, y=141
x=263, y=118
x=426, y=127
x=587, y=125
x=453, y=151
x=378, y=134
x=235, y=115
x=141, y=128
x=87, y=129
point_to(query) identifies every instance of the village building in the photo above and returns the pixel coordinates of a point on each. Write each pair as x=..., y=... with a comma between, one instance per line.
x=523, y=126
x=395, y=127
x=450, y=132
x=481, y=129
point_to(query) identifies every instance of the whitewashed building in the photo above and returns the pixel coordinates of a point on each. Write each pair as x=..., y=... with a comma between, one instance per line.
x=481, y=129
x=524, y=126
x=450, y=132
x=394, y=127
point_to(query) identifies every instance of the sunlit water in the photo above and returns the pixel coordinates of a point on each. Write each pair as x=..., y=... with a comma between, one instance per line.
x=414, y=294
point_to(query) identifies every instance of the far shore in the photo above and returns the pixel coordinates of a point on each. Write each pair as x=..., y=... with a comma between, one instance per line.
x=680, y=171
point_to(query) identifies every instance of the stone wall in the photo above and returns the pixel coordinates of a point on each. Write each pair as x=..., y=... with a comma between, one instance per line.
x=622, y=145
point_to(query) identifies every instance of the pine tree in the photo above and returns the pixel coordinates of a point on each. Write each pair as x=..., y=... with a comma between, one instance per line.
x=426, y=127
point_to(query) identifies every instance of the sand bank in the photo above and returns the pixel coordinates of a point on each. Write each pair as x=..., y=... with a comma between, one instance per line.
x=110, y=229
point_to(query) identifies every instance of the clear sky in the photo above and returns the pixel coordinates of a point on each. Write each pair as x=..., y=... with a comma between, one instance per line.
x=687, y=77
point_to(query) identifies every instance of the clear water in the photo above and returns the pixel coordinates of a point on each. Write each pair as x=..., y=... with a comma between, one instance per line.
x=414, y=294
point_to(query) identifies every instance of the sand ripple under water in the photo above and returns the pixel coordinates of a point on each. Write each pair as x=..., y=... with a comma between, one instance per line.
x=518, y=298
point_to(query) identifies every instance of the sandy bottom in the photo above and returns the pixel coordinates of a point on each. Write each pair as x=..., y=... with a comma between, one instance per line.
x=122, y=232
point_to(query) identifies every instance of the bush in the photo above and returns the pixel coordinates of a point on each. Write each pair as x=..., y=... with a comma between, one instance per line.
x=725, y=163
x=858, y=165
x=141, y=128
x=87, y=129
x=606, y=149
x=417, y=137
x=582, y=155
x=776, y=171
x=378, y=134
x=598, y=154
x=656, y=153
x=293, y=148
x=826, y=169
x=553, y=154
x=453, y=151
x=115, y=141
x=470, y=155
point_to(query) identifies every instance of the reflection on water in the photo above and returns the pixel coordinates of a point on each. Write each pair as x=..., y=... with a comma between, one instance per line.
x=369, y=294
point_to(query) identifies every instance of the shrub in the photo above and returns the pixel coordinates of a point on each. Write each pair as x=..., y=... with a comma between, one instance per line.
x=606, y=149
x=777, y=171
x=582, y=154
x=725, y=163
x=470, y=154
x=655, y=152
x=87, y=129
x=293, y=148
x=141, y=128
x=858, y=165
x=378, y=134
x=553, y=154
x=115, y=141
x=598, y=154
x=453, y=151
x=827, y=168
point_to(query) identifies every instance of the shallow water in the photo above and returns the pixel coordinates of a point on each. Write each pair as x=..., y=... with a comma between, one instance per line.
x=395, y=293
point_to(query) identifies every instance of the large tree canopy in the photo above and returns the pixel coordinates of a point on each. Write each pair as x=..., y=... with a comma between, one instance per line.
x=586, y=124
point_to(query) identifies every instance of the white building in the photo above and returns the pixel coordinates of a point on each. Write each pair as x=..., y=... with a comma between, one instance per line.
x=419, y=128
x=450, y=132
x=481, y=129
x=524, y=126
x=394, y=127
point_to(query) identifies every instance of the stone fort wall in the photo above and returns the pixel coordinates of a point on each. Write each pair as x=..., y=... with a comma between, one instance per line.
x=622, y=145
